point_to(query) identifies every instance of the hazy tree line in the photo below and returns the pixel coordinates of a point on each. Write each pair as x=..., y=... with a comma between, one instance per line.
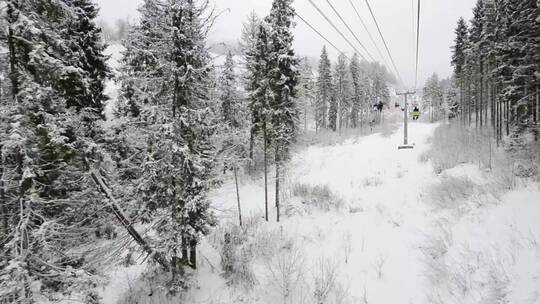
x=115, y=32
x=77, y=190
x=347, y=94
x=496, y=59
x=440, y=98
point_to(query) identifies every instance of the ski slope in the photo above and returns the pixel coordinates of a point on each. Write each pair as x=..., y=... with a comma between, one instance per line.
x=380, y=233
x=383, y=218
x=376, y=226
x=402, y=248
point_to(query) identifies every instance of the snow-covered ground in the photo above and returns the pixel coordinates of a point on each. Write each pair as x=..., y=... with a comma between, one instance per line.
x=365, y=222
x=389, y=242
x=382, y=218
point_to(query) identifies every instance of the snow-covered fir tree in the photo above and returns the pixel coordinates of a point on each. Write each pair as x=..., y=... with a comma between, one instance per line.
x=283, y=79
x=56, y=211
x=168, y=82
x=233, y=129
x=142, y=69
x=357, y=92
x=458, y=59
x=324, y=91
x=89, y=54
x=433, y=95
x=248, y=47
x=306, y=91
x=230, y=99
x=342, y=82
x=495, y=59
x=380, y=90
x=259, y=91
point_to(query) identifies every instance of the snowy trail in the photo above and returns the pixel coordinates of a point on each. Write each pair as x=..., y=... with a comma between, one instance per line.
x=372, y=175
x=385, y=222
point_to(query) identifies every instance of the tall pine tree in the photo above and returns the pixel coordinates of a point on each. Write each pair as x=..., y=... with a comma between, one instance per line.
x=324, y=91
x=283, y=79
x=56, y=78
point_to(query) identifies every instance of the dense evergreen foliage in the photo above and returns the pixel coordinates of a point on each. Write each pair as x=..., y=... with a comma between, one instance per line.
x=347, y=96
x=51, y=210
x=497, y=67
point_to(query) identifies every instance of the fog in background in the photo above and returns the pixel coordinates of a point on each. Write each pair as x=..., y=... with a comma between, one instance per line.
x=395, y=17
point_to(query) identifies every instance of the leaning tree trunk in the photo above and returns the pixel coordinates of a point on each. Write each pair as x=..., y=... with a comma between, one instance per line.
x=125, y=222
x=237, y=195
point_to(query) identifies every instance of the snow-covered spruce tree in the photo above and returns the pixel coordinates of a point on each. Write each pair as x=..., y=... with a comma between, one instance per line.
x=333, y=109
x=142, y=105
x=306, y=91
x=342, y=79
x=496, y=64
x=324, y=91
x=179, y=183
x=366, y=97
x=53, y=205
x=433, y=94
x=522, y=61
x=167, y=77
x=259, y=98
x=357, y=92
x=189, y=212
x=451, y=98
x=230, y=99
x=248, y=39
x=283, y=79
x=380, y=93
x=233, y=135
x=89, y=56
x=458, y=62
x=143, y=70
x=248, y=47
x=476, y=60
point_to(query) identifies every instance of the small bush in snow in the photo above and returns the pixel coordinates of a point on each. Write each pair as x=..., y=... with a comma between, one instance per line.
x=237, y=257
x=286, y=274
x=325, y=277
x=347, y=245
x=378, y=265
x=319, y=196
x=373, y=181
x=451, y=193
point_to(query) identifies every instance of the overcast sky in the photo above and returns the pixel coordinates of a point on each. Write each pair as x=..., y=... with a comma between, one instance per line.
x=395, y=17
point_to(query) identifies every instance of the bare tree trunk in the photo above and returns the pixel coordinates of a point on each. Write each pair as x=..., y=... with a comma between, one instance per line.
x=277, y=181
x=461, y=103
x=537, y=115
x=237, y=195
x=481, y=110
x=193, y=254
x=476, y=97
x=469, y=99
x=185, y=254
x=507, y=112
x=251, y=147
x=265, y=139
